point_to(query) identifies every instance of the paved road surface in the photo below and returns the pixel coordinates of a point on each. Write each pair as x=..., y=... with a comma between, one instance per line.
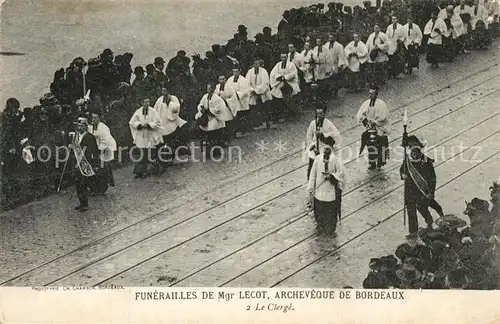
x=243, y=223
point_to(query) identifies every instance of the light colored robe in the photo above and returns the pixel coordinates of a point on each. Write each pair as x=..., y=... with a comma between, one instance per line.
x=354, y=62
x=394, y=36
x=435, y=38
x=458, y=27
x=307, y=67
x=321, y=69
x=328, y=130
x=324, y=190
x=105, y=141
x=379, y=114
x=482, y=14
x=413, y=35
x=216, y=106
x=458, y=11
x=382, y=41
x=298, y=60
x=238, y=94
x=259, y=84
x=290, y=75
x=336, y=59
x=146, y=138
x=165, y=113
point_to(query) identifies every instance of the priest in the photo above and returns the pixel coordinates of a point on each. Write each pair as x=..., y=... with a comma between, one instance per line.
x=336, y=62
x=145, y=126
x=374, y=115
x=260, y=93
x=356, y=53
x=284, y=82
x=412, y=42
x=236, y=92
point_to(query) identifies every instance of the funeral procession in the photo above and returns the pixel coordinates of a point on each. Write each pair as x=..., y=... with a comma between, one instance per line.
x=251, y=144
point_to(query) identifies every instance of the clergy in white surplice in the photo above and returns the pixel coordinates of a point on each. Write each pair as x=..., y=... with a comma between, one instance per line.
x=320, y=131
x=465, y=12
x=374, y=115
x=396, y=36
x=297, y=59
x=107, y=145
x=452, y=43
x=321, y=66
x=356, y=53
x=309, y=59
x=434, y=29
x=336, y=62
x=145, y=126
x=378, y=45
x=260, y=92
x=479, y=13
x=479, y=25
x=211, y=117
x=412, y=42
x=284, y=79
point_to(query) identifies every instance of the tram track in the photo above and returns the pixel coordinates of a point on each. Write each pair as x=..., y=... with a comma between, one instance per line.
x=246, y=191
x=237, y=216
x=349, y=239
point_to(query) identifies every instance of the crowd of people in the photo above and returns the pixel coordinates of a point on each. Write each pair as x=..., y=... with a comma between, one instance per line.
x=238, y=87
x=451, y=255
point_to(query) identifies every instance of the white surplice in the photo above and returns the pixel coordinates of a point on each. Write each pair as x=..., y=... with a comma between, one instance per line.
x=238, y=94
x=320, y=57
x=259, y=83
x=289, y=73
x=378, y=114
x=479, y=12
x=328, y=129
x=336, y=59
x=169, y=114
x=105, y=141
x=413, y=34
x=394, y=34
x=308, y=68
x=360, y=50
x=321, y=188
x=216, y=106
x=463, y=10
x=146, y=138
x=382, y=41
x=431, y=26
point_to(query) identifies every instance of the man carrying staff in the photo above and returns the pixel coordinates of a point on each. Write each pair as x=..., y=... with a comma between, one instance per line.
x=145, y=126
x=320, y=132
x=86, y=152
x=374, y=115
x=419, y=175
x=325, y=186
x=107, y=146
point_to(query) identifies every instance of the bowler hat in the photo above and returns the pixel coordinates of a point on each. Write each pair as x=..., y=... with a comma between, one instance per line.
x=159, y=60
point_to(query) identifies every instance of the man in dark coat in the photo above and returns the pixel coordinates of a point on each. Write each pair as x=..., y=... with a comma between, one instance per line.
x=86, y=152
x=418, y=173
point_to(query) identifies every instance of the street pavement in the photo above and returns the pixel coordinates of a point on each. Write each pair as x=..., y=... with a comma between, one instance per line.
x=243, y=223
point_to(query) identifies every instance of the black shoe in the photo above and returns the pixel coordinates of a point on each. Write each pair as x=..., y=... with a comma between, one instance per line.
x=372, y=166
x=82, y=207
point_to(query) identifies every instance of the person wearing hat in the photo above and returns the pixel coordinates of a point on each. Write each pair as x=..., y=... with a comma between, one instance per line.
x=178, y=65
x=211, y=116
x=418, y=173
x=378, y=45
x=326, y=182
x=374, y=115
x=168, y=108
x=356, y=54
x=159, y=76
x=107, y=146
x=434, y=29
x=410, y=276
x=87, y=154
x=320, y=131
x=260, y=93
x=284, y=82
x=138, y=88
x=74, y=77
x=145, y=126
x=284, y=25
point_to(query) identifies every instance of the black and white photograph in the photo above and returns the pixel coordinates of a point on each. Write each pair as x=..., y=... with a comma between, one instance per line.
x=257, y=144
